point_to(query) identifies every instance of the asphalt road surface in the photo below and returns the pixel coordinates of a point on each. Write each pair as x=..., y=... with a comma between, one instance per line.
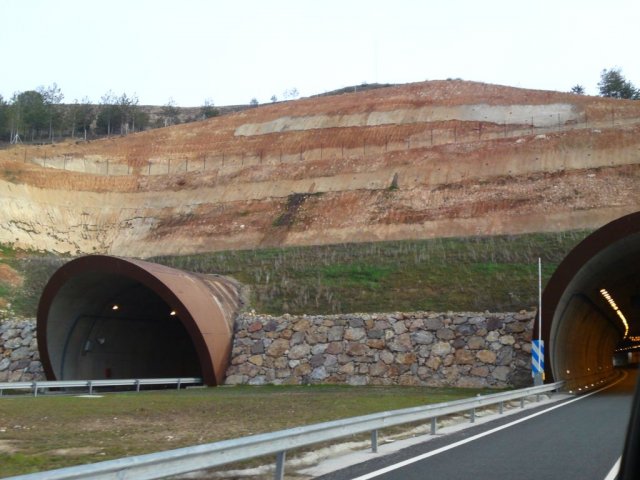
x=579, y=438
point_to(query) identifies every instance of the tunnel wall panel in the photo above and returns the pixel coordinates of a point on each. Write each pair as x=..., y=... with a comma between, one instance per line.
x=579, y=328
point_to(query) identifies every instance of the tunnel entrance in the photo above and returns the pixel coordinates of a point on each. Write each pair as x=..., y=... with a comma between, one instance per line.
x=591, y=304
x=108, y=317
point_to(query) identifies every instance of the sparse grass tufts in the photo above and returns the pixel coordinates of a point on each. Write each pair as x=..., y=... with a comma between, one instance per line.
x=466, y=274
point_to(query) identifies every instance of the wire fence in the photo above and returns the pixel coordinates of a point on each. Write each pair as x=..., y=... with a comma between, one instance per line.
x=186, y=158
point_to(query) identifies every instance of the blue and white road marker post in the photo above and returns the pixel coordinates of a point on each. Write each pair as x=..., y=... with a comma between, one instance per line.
x=537, y=362
x=537, y=347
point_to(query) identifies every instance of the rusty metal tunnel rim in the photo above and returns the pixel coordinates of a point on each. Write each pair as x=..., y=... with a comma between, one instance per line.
x=594, y=244
x=197, y=310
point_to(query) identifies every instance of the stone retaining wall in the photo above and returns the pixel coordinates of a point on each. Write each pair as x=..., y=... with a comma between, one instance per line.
x=421, y=348
x=19, y=357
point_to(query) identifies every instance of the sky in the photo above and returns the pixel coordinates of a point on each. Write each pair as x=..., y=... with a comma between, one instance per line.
x=230, y=51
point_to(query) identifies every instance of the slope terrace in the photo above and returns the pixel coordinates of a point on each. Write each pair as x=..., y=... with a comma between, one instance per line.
x=433, y=159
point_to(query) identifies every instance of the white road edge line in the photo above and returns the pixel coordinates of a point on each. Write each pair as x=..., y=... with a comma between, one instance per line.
x=613, y=473
x=432, y=453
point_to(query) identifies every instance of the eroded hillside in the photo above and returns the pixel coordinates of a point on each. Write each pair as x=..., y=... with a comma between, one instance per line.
x=433, y=159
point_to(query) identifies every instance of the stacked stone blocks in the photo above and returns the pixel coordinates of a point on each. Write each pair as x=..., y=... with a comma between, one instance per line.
x=19, y=357
x=420, y=348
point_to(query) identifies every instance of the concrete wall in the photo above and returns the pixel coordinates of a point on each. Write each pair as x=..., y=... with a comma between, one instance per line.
x=420, y=348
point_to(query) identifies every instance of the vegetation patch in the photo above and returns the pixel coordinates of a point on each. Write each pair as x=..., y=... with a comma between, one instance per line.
x=23, y=276
x=294, y=202
x=354, y=275
x=498, y=273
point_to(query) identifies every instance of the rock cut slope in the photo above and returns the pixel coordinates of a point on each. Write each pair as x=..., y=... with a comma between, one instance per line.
x=432, y=159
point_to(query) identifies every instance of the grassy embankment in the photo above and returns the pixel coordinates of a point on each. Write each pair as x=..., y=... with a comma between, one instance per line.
x=52, y=432
x=23, y=275
x=458, y=274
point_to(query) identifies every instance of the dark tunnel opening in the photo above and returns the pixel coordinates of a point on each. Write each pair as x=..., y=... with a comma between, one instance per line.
x=590, y=307
x=119, y=329
x=105, y=317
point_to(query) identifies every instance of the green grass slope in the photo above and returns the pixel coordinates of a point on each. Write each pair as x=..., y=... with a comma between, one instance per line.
x=498, y=273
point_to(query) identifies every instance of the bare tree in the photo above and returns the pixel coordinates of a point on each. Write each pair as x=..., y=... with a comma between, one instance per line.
x=107, y=111
x=290, y=93
x=52, y=96
x=208, y=109
x=127, y=108
x=170, y=113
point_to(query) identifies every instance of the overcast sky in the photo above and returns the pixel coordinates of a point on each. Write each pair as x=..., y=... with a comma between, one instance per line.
x=230, y=51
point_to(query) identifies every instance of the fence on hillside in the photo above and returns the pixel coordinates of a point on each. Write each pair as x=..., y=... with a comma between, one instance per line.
x=186, y=158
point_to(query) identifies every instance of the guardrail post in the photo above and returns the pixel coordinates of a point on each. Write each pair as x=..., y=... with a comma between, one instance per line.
x=90, y=388
x=434, y=425
x=279, y=473
x=501, y=408
x=179, y=381
x=374, y=441
x=522, y=402
x=137, y=385
x=473, y=415
x=537, y=397
x=35, y=389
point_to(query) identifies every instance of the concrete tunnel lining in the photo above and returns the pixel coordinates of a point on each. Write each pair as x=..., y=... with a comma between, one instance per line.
x=168, y=322
x=580, y=329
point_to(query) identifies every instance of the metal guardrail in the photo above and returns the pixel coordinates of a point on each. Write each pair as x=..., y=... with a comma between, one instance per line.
x=200, y=457
x=36, y=386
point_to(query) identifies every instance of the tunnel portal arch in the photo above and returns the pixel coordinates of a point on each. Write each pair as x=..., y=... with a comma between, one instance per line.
x=580, y=327
x=110, y=317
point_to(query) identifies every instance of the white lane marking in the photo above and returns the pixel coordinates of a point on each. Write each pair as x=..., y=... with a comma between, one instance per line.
x=432, y=453
x=613, y=473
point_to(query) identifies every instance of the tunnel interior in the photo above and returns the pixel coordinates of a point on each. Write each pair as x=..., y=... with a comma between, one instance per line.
x=117, y=328
x=591, y=305
x=104, y=317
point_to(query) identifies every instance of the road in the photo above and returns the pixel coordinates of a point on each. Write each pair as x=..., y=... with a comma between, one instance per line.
x=579, y=438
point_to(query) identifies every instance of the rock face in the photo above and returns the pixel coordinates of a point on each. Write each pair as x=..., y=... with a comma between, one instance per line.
x=424, y=160
x=421, y=348
x=19, y=357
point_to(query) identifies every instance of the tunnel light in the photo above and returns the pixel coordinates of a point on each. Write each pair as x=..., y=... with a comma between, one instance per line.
x=172, y=313
x=615, y=308
x=115, y=307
